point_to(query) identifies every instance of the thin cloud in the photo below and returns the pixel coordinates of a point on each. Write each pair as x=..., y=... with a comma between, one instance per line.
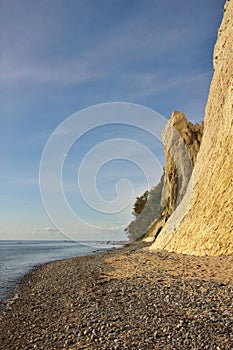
x=28, y=60
x=155, y=83
x=25, y=181
x=51, y=229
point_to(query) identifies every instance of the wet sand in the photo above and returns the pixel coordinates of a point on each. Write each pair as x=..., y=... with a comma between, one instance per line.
x=128, y=298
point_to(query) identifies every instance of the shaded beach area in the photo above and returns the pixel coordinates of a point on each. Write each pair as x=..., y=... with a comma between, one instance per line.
x=129, y=298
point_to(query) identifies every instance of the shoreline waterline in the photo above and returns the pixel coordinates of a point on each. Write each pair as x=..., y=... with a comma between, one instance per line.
x=122, y=299
x=17, y=258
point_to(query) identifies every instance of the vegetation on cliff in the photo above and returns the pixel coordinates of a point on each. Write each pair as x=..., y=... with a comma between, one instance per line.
x=182, y=141
x=147, y=209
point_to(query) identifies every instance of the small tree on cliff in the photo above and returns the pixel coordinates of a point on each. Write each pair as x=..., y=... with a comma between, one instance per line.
x=147, y=208
x=139, y=204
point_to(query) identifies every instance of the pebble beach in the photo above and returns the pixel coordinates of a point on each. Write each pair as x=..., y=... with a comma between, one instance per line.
x=128, y=298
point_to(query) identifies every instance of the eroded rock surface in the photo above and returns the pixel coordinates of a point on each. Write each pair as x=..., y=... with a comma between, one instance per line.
x=203, y=223
x=182, y=141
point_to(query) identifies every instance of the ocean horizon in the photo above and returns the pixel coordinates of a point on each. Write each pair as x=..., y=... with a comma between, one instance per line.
x=19, y=257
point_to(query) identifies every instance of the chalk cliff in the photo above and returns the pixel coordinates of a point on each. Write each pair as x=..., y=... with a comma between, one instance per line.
x=202, y=223
x=181, y=144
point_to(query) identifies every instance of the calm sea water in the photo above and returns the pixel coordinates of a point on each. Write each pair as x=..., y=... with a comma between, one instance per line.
x=18, y=258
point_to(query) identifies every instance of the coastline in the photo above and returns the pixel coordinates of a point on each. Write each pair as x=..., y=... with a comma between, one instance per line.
x=18, y=258
x=126, y=298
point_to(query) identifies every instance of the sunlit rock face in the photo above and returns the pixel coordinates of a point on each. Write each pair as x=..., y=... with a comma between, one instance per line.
x=202, y=224
x=181, y=144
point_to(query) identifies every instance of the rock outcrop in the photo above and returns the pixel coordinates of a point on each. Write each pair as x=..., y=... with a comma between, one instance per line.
x=202, y=223
x=181, y=144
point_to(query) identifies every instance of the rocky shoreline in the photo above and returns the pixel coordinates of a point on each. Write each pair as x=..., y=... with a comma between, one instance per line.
x=128, y=298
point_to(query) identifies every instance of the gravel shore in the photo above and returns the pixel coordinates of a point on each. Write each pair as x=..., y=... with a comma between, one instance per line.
x=128, y=298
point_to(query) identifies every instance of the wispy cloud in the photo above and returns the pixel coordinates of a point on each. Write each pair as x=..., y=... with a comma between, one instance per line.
x=59, y=57
x=69, y=72
x=152, y=84
x=28, y=56
x=51, y=229
x=24, y=181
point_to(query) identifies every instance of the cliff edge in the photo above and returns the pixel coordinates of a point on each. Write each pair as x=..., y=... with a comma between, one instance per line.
x=182, y=141
x=202, y=224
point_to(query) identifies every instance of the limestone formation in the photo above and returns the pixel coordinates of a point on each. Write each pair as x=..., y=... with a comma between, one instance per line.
x=181, y=144
x=203, y=222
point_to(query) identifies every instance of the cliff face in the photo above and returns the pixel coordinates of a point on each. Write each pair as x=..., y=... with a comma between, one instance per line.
x=181, y=144
x=203, y=222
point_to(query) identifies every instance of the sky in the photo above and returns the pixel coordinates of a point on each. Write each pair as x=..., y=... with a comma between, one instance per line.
x=59, y=58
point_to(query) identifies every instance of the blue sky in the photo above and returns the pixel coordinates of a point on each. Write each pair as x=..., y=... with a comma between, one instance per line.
x=58, y=57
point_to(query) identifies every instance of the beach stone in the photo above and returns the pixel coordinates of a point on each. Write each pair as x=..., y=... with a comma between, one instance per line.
x=187, y=308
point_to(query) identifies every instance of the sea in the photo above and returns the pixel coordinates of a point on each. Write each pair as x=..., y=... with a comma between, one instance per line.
x=17, y=258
